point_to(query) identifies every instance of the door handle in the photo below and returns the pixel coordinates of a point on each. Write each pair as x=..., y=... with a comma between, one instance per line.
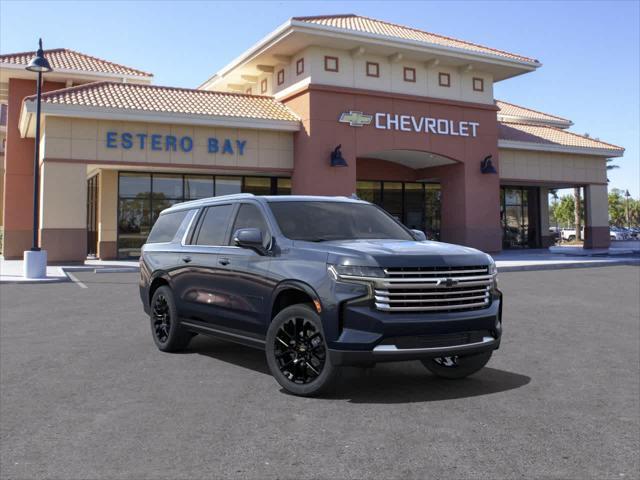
x=186, y=259
x=224, y=261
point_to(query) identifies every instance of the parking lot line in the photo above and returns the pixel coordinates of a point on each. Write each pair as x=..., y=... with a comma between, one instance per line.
x=75, y=280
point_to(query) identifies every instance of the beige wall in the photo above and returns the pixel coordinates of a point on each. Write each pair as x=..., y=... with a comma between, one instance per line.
x=352, y=73
x=83, y=139
x=63, y=196
x=108, y=206
x=551, y=167
x=597, y=206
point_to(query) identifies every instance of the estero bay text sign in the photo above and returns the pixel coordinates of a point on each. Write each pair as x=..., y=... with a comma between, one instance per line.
x=172, y=143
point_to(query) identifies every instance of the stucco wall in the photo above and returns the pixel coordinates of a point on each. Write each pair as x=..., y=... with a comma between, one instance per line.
x=551, y=167
x=352, y=73
x=85, y=139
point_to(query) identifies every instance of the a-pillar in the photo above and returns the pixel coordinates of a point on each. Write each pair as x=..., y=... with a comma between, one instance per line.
x=63, y=211
x=107, y=214
x=546, y=239
x=596, y=202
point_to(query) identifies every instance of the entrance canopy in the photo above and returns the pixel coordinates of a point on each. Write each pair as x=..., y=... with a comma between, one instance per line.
x=414, y=159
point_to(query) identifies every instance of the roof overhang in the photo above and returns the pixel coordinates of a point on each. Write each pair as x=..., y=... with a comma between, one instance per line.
x=28, y=112
x=532, y=121
x=545, y=147
x=12, y=70
x=295, y=35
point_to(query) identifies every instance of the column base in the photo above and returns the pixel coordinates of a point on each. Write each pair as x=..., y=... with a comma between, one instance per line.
x=107, y=250
x=597, y=237
x=65, y=244
x=15, y=242
x=35, y=264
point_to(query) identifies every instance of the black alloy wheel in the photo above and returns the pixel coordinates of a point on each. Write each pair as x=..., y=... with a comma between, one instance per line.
x=161, y=318
x=168, y=334
x=297, y=352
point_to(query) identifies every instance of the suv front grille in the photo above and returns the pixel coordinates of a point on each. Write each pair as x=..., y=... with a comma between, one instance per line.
x=434, y=289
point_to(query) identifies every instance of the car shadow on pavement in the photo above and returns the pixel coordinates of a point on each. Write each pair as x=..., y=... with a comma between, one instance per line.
x=397, y=382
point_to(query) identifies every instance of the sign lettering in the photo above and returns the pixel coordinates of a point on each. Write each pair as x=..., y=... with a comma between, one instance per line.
x=171, y=143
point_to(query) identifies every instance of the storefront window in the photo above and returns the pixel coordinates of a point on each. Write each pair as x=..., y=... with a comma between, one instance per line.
x=143, y=196
x=197, y=186
x=415, y=204
x=257, y=185
x=283, y=186
x=228, y=185
x=519, y=217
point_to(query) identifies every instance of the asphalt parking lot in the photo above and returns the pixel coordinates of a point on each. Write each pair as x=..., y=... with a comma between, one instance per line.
x=85, y=394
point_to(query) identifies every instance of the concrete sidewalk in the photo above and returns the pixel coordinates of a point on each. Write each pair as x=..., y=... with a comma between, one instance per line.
x=507, y=261
x=11, y=270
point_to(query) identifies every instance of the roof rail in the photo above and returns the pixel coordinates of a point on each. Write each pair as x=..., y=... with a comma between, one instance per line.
x=205, y=201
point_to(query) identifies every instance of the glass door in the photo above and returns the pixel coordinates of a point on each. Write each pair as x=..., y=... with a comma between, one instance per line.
x=92, y=216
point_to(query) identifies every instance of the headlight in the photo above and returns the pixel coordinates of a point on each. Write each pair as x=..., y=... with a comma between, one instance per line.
x=355, y=271
x=493, y=270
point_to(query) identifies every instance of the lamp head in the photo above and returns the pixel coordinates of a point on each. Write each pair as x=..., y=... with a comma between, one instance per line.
x=39, y=63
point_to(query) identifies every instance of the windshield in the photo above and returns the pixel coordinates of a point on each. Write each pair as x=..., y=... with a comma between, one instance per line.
x=318, y=221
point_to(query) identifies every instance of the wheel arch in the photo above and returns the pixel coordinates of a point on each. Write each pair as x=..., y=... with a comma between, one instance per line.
x=157, y=280
x=292, y=292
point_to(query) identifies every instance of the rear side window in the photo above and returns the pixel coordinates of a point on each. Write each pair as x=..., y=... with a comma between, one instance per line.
x=249, y=216
x=166, y=227
x=214, y=225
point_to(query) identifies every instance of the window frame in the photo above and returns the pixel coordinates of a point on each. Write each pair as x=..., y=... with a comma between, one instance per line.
x=480, y=82
x=327, y=59
x=442, y=82
x=372, y=64
x=195, y=232
x=413, y=71
x=280, y=77
x=300, y=66
x=235, y=214
x=264, y=86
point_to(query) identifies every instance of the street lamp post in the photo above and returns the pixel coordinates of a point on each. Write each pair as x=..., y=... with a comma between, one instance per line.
x=35, y=260
x=626, y=196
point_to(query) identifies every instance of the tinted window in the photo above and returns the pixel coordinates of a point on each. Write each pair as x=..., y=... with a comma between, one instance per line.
x=323, y=221
x=166, y=227
x=214, y=225
x=249, y=216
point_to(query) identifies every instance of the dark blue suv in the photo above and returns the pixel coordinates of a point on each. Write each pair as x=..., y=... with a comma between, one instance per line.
x=317, y=282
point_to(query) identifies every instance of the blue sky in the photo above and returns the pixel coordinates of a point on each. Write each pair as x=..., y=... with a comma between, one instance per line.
x=589, y=50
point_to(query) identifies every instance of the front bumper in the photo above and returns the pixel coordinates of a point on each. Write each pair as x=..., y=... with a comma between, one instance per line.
x=370, y=336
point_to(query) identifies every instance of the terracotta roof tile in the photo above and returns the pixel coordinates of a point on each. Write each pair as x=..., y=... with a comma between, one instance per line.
x=370, y=25
x=65, y=59
x=152, y=98
x=519, y=132
x=512, y=110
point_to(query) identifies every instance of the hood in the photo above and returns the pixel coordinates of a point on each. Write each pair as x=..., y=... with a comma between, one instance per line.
x=402, y=253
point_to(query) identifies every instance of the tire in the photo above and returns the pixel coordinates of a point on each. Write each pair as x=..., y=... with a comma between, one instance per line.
x=457, y=367
x=297, y=352
x=167, y=333
x=571, y=238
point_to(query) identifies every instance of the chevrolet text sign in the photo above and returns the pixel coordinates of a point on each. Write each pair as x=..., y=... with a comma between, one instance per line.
x=411, y=123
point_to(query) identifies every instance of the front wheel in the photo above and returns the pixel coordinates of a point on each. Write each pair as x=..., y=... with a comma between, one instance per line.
x=456, y=367
x=297, y=352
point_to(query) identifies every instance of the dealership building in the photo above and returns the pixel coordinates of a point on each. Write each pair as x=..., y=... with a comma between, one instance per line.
x=331, y=105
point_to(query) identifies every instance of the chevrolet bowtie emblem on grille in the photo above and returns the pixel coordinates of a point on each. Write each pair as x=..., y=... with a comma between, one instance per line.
x=355, y=119
x=447, y=282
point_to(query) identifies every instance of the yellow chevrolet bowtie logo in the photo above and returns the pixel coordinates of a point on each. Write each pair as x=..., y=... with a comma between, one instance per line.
x=355, y=119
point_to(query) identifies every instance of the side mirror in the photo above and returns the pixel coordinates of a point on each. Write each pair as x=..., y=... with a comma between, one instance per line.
x=249, y=238
x=418, y=235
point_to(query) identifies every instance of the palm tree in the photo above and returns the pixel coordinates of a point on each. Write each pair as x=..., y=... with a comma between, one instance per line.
x=611, y=167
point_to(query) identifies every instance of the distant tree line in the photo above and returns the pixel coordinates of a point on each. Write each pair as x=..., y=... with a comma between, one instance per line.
x=562, y=210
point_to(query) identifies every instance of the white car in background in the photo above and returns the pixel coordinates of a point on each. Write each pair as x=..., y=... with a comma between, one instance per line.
x=618, y=234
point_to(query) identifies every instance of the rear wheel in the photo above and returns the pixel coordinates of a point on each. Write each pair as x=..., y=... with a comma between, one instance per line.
x=297, y=352
x=167, y=333
x=455, y=367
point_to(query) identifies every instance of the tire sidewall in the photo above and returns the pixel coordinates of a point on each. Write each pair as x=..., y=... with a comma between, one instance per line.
x=174, y=330
x=329, y=371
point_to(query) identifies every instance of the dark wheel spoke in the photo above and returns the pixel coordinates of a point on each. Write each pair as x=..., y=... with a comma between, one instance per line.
x=301, y=359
